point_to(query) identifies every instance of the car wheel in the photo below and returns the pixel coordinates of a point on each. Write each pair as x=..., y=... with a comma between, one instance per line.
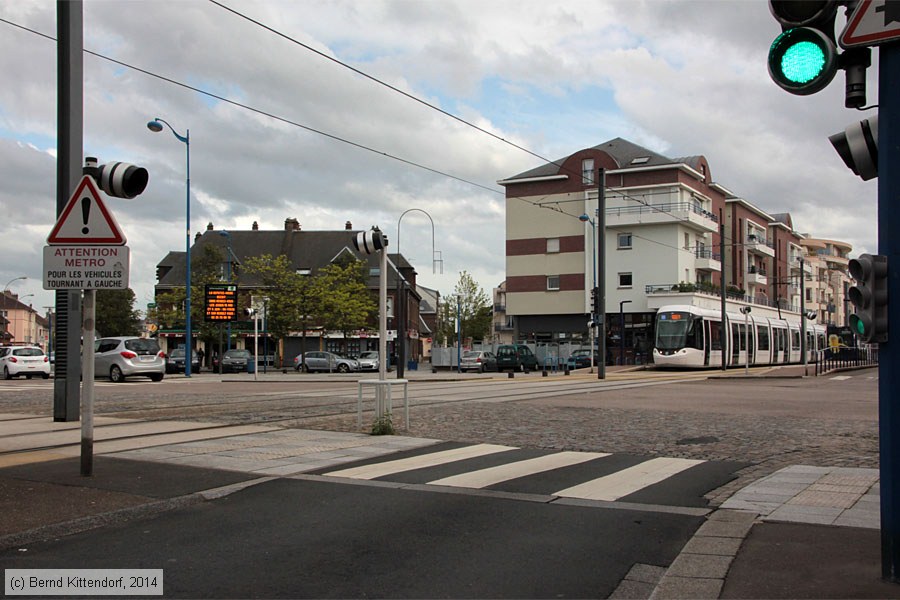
x=6, y=374
x=45, y=375
x=481, y=369
x=115, y=374
x=343, y=368
x=28, y=377
x=305, y=368
x=156, y=377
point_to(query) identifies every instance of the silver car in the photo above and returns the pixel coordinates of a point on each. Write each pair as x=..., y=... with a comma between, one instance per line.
x=368, y=361
x=121, y=357
x=325, y=361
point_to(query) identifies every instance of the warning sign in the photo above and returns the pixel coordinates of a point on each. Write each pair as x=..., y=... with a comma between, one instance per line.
x=86, y=220
x=221, y=302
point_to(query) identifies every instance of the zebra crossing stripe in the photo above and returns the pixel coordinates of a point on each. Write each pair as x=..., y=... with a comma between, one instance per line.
x=418, y=462
x=493, y=475
x=627, y=481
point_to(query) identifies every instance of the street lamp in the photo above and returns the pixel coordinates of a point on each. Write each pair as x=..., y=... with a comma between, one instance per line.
x=8, y=283
x=584, y=218
x=156, y=125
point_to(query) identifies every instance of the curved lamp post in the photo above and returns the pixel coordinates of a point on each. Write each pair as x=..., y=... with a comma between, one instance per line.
x=401, y=305
x=8, y=283
x=156, y=125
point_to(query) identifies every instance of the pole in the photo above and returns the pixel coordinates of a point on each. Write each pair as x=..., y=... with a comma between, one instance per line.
x=723, y=326
x=87, y=385
x=803, y=345
x=382, y=318
x=255, y=346
x=458, y=334
x=601, y=272
x=889, y=359
x=622, y=303
x=747, y=340
x=70, y=125
x=188, y=333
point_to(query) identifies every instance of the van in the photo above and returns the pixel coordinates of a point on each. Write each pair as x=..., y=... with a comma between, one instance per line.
x=516, y=357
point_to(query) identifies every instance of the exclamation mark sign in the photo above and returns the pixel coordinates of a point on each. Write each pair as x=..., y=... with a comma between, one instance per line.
x=85, y=213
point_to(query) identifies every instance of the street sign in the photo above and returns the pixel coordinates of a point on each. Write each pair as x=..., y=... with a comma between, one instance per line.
x=86, y=267
x=873, y=22
x=221, y=302
x=85, y=220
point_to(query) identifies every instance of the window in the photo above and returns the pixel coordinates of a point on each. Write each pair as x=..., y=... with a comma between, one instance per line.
x=624, y=241
x=687, y=241
x=552, y=245
x=553, y=282
x=624, y=280
x=587, y=171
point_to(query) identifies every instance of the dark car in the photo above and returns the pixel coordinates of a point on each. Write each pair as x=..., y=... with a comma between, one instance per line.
x=515, y=357
x=581, y=358
x=175, y=361
x=235, y=361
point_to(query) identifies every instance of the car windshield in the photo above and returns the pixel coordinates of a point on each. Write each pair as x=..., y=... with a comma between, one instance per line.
x=177, y=354
x=142, y=346
x=672, y=329
x=581, y=353
x=369, y=355
x=237, y=354
x=28, y=352
x=471, y=355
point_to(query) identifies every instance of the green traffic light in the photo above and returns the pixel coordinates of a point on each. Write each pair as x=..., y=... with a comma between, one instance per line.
x=802, y=62
x=858, y=324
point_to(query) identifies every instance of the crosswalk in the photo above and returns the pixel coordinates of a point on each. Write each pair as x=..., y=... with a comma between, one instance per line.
x=588, y=476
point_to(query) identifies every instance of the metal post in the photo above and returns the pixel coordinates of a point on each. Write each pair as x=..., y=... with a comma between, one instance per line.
x=255, y=346
x=803, y=345
x=458, y=334
x=601, y=271
x=622, y=332
x=87, y=386
x=69, y=118
x=723, y=326
x=889, y=360
x=188, y=333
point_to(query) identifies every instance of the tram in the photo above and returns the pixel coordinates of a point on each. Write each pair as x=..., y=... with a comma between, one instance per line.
x=688, y=337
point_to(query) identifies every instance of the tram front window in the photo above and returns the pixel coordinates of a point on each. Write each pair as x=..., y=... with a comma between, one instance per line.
x=677, y=330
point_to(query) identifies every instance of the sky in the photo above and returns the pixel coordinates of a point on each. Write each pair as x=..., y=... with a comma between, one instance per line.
x=282, y=131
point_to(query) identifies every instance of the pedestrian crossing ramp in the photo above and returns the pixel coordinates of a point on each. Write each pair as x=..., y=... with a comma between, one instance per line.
x=597, y=477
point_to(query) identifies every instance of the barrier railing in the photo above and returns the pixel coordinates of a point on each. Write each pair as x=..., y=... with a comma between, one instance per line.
x=841, y=358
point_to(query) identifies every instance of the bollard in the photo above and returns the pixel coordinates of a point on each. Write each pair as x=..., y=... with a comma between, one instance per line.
x=544, y=373
x=511, y=375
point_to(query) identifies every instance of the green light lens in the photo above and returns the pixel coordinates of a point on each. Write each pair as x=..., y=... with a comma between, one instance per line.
x=857, y=324
x=802, y=62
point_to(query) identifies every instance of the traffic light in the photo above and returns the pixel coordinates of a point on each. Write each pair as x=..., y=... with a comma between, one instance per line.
x=117, y=179
x=870, y=297
x=368, y=242
x=804, y=58
x=858, y=146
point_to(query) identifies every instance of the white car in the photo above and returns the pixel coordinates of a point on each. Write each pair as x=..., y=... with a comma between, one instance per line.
x=368, y=361
x=121, y=357
x=24, y=360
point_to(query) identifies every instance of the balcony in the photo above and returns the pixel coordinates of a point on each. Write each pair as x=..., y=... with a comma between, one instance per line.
x=756, y=276
x=760, y=245
x=684, y=213
x=707, y=261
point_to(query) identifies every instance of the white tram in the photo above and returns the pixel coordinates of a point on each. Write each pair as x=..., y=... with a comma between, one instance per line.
x=691, y=337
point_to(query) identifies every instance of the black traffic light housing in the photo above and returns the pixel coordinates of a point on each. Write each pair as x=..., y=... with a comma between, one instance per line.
x=870, y=297
x=117, y=179
x=804, y=58
x=368, y=242
x=857, y=145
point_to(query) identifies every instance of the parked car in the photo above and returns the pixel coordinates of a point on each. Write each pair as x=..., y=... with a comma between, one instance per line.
x=121, y=357
x=29, y=361
x=175, y=361
x=581, y=358
x=368, y=361
x=235, y=361
x=516, y=357
x=325, y=361
x=476, y=360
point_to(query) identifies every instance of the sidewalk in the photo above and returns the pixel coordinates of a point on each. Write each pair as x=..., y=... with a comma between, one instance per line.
x=803, y=532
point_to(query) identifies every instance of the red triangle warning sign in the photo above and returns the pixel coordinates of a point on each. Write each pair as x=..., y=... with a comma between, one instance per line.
x=85, y=220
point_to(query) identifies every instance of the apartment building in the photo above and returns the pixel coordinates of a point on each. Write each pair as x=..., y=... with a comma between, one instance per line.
x=671, y=236
x=828, y=279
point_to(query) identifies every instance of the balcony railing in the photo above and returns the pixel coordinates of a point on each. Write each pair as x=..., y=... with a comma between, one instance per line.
x=707, y=254
x=715, y=291
x=672, y=207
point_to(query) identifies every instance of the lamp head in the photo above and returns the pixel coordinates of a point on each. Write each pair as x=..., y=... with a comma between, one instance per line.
x=584, y=218
x=155, y=126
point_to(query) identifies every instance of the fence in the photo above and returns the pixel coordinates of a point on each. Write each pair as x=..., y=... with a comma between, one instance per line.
x=843, y=358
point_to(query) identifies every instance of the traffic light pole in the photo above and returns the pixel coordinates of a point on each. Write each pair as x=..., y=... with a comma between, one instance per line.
x=889, y=353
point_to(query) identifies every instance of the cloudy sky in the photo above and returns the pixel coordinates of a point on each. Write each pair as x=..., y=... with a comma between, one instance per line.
x=681, y=77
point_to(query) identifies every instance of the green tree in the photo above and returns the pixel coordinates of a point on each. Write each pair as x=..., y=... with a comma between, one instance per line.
x=115, y=313
x=474, y=309
x=343, y=298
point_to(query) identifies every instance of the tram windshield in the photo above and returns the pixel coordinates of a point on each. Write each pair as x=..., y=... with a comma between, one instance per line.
x=675, y=330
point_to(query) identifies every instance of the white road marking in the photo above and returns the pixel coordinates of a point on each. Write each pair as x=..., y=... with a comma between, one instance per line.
x=627, y=481
x=419, y=462
x=490, y=476
x=841, y=377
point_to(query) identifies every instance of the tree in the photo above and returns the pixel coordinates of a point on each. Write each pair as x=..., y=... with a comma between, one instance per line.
x=115, y=313
x=474, y=308
x=344, y=301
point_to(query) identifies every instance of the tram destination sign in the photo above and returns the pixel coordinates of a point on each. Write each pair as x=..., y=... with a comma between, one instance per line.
x=221, y=302
x=80, y=267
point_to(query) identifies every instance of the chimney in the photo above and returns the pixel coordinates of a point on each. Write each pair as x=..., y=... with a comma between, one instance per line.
x=197, y=237
x=209, y=226
x=291, y=224
x=348, y=226
x=255, y=226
